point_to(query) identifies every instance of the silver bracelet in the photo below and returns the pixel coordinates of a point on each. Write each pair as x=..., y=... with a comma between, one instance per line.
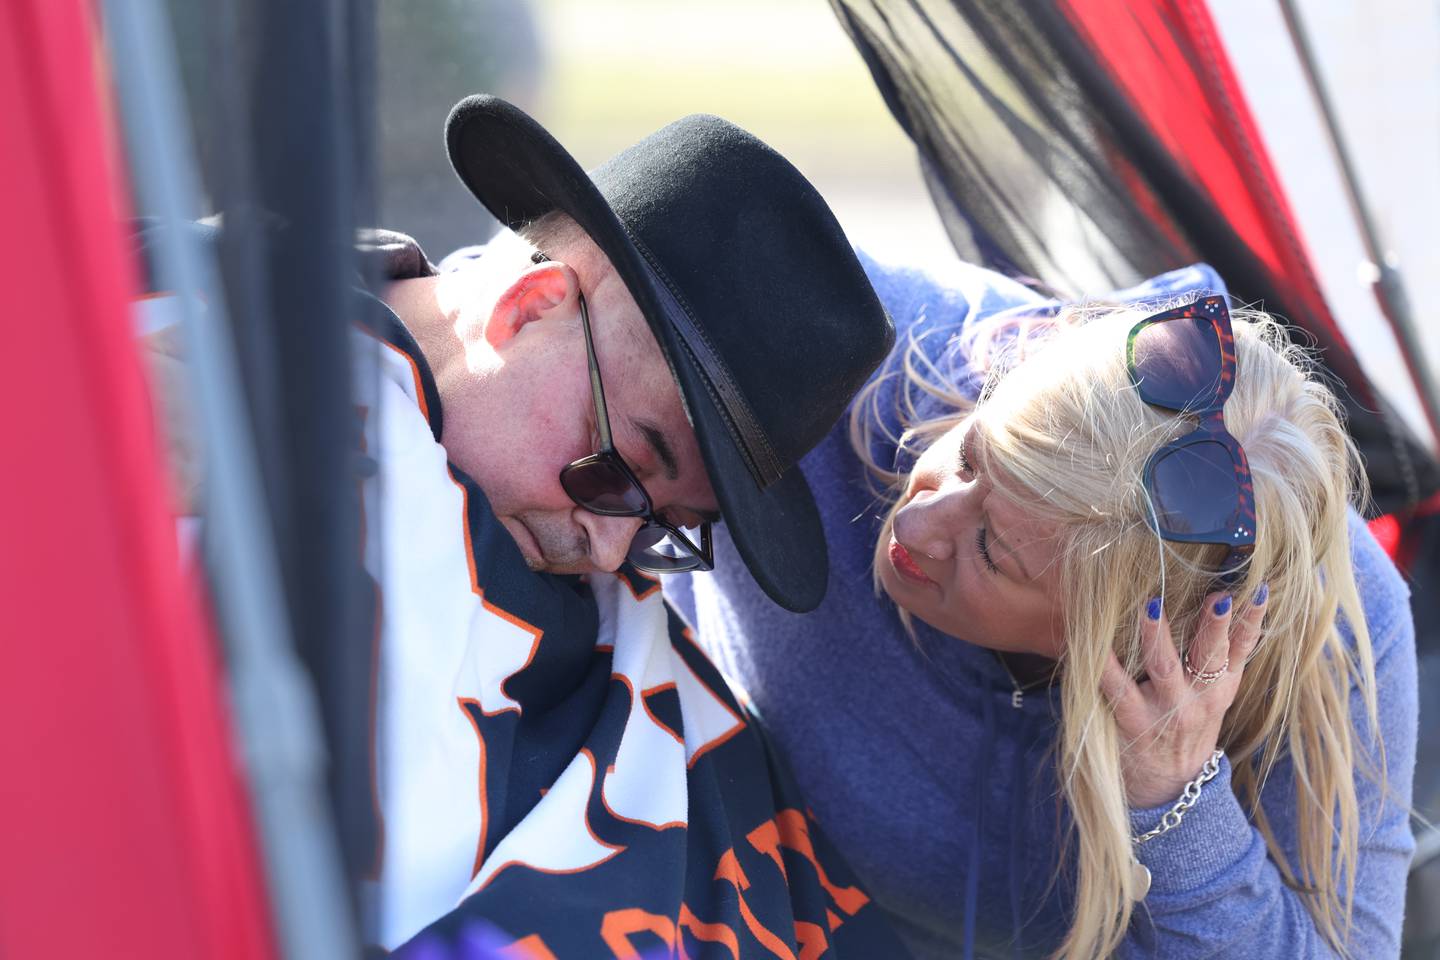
x=1188, y=797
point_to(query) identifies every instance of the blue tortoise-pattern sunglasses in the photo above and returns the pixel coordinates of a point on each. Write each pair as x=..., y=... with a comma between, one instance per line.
x=1199, y=483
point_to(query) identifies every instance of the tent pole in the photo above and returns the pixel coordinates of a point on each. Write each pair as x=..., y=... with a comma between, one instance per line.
x=1386, y=284
x=275, y=710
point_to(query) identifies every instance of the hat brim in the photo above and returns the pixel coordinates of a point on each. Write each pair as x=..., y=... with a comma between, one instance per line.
x=519, y=173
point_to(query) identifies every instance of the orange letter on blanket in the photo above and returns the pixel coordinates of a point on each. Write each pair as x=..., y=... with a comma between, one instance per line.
x=789, y=829
x=618, y=925
x=811, y=939
x=711, y=932
x=729, y=869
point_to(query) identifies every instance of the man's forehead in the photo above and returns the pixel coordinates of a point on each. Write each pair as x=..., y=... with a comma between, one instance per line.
x=614, y=310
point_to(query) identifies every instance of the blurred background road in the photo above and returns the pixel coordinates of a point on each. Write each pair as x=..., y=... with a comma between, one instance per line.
x=601, y=75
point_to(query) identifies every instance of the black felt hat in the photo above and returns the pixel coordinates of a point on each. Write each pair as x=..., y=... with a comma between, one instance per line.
x=754, y=294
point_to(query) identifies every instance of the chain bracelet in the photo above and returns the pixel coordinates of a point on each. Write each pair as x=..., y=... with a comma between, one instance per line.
x=1188, y=798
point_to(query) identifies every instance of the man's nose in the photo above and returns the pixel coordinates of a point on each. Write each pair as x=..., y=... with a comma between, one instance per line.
x=610, y=538
x=931, y=523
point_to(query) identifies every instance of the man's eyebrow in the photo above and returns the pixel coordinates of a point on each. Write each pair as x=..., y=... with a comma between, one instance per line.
x=659, y=443
x=1004, y=549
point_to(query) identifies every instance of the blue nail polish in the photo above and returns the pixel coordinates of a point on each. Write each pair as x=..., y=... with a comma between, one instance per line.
x=1262, y=594
x=1222, y=606
x=1152, y=609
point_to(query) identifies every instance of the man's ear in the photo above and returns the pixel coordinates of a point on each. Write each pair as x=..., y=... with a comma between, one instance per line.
x=544, y=290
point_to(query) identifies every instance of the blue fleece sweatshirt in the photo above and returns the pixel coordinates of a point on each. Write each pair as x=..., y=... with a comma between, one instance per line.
x=942, y=794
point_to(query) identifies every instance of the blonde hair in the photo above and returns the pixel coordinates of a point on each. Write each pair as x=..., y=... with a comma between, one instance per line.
x=1068, y=436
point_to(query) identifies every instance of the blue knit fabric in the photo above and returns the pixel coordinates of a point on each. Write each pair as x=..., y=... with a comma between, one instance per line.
x=942, y=795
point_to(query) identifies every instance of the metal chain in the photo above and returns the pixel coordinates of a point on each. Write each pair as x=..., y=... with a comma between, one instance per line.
x=1188, y=798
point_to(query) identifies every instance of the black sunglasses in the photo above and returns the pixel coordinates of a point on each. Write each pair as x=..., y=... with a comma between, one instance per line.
x=1199, y=483
x=604, y=484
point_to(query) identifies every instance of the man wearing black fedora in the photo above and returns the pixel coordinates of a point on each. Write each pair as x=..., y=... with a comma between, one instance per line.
x=647, y=350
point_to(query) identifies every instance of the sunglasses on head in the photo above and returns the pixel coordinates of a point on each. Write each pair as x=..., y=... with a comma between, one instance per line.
x=1199, y=483
x=604, y=484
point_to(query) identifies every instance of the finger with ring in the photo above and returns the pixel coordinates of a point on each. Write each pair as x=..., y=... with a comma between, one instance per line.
x=1207, y=677
x=1207, y=658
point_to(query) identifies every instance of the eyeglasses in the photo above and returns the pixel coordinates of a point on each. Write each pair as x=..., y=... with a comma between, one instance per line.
x=1199, y=483
x=604, y=484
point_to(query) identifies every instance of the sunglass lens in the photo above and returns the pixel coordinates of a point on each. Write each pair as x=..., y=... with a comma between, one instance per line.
x=656, y=551
x=600, y=486
x=1195, y=489
x=1177, y=363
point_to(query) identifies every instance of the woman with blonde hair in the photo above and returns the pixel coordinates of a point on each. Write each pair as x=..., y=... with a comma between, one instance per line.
x=1147, y=686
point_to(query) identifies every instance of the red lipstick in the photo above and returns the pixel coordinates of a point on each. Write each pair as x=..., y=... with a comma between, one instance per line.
x=905, y=565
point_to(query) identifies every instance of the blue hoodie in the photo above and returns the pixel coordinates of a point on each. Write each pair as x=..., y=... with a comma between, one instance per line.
x=942, y=794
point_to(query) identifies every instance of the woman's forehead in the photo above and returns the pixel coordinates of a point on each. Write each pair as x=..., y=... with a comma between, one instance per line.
x=1015, y=516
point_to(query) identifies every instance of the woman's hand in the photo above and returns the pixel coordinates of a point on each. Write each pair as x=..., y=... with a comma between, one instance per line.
x=1170, y=723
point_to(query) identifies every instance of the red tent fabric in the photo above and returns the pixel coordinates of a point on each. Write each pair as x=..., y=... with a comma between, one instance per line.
x=1168, y=59
x=125, y=823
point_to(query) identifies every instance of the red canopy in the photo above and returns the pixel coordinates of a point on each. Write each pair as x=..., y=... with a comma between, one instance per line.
x=126, y=828
x=1170, y=62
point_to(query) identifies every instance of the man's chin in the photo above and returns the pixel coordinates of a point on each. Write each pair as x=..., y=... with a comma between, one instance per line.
x=538, y=559
x=572, y=568
x=525, y=542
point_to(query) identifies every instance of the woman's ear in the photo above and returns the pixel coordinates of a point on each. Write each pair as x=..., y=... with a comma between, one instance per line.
x=547, y=289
